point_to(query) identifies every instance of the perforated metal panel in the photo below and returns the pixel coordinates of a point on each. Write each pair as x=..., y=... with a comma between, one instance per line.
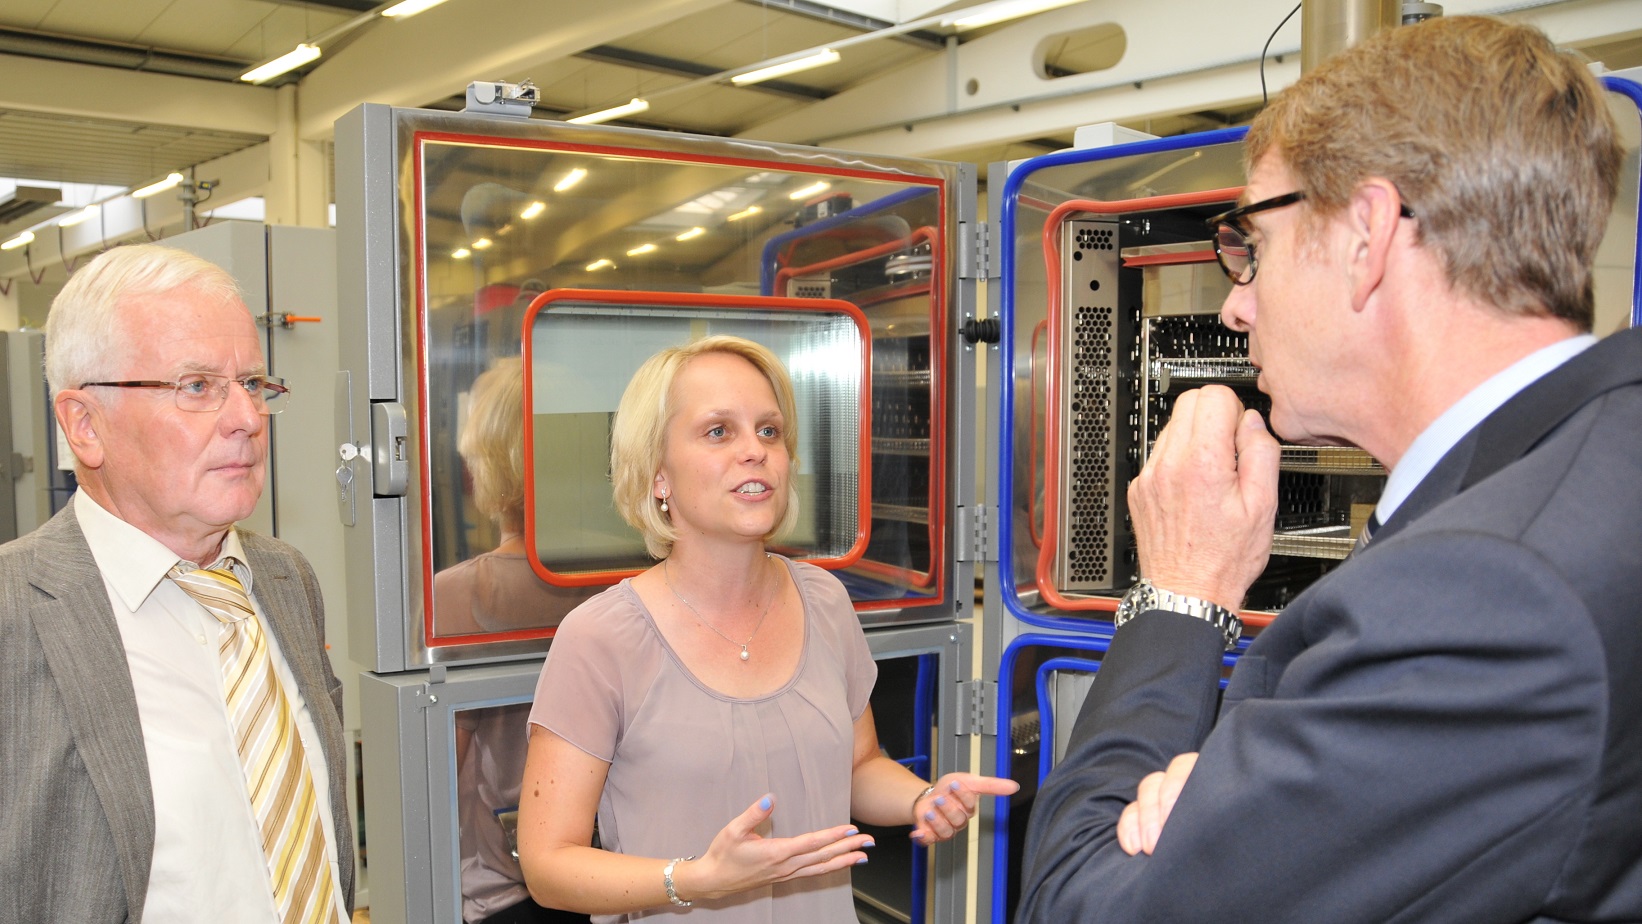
x=1098, y=343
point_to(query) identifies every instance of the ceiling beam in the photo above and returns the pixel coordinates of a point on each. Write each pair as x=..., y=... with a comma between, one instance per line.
x=991, y=89
x=92, y=92
x=674, y=67
x=922, y=38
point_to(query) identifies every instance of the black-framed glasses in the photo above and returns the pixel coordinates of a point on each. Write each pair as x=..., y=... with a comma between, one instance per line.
x=206, y=391
x=1232, y=247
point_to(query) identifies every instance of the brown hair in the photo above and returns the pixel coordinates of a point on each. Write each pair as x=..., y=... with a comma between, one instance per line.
x=1503, y=146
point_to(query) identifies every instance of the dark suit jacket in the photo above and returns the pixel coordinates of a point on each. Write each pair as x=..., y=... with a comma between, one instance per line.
x=76, y=804
x=1446, y=728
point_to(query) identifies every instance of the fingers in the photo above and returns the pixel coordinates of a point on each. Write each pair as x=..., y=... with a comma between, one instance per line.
x=819, y=852
x=1143, y=820
x=755, y=815
x=1259, y=456
x=1203, y=505
x=955, y=801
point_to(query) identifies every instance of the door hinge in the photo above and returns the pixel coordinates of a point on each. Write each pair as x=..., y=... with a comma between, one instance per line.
x=974, y=249
x=975, y=534
x=975, y=699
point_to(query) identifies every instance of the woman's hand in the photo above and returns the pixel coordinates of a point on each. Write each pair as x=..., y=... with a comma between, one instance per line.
x=740, y=858
x=955, y=799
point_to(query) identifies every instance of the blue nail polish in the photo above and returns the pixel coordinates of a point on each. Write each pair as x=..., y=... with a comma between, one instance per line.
x=929, y=816
x=860, y=861
x=940, y=800
x=869, y=844
x=851, y=832
x=764, y=803
x=953, y=786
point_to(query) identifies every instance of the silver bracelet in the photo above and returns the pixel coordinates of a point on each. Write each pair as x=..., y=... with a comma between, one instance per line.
x=919, y=798
x=667, y=880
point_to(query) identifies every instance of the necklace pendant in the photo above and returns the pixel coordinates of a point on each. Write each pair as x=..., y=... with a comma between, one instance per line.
x=744, y=655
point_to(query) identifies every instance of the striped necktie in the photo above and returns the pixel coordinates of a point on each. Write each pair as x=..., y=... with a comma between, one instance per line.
x=1369, y=529
x=276, y=770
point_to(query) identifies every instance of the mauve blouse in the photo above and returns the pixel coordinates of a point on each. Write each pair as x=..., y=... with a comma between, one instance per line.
x=685, y=759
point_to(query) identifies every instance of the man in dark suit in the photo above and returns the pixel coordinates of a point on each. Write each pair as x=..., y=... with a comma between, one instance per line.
x=1449, y=726
x=172, y=746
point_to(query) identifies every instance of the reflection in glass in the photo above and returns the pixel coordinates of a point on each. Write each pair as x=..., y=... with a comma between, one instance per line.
x=498, y=221
x=496, y=591
x=490, y=761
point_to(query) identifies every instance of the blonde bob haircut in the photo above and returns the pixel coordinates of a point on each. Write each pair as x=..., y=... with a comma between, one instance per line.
x=492, y=442
x=1503, y=146
x=638, y=438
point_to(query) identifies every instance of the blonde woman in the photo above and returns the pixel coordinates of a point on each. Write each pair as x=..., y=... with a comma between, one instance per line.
x=713, y=711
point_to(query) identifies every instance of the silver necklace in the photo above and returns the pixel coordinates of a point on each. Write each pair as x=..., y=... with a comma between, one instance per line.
x=666, y=578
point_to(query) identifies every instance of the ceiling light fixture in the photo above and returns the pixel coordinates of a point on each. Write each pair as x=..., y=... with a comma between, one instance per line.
x=987, y=14
x=641, y=250
x=158, y=187
x=599, y=264
x=482, y=243
x=18, y=241
x=631, y=107
x=747, y=212
x=408, y=8
x=74, y=218
x=289, y=61
x=691, y=234
x=810, y=190
x=570, y=179
x=461, y=253
x=533, y=209
x=792, y=66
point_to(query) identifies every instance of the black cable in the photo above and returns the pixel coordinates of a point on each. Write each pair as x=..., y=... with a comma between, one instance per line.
x=1264, y=98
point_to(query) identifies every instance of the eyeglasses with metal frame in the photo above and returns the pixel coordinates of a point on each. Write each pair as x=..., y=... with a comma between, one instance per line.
x=1232, y=247
x=203, y=392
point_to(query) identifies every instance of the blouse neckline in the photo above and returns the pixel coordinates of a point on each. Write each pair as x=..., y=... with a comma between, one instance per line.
x=678, y=662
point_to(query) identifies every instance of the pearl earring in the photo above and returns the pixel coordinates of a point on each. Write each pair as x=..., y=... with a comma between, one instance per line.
x=664, y=503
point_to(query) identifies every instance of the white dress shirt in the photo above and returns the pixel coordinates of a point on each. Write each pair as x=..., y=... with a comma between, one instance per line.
x=208, y=865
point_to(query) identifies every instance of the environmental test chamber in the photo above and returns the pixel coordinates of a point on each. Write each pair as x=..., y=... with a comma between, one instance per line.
x=557, y=257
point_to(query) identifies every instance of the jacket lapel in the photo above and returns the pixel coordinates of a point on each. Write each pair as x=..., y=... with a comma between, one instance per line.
x=82, y=645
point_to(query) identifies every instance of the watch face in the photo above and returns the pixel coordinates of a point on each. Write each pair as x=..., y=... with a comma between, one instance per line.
x=1139, y=599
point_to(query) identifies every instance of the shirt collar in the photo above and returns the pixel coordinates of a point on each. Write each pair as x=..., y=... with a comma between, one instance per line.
x=133, y=562
x=1453, y=424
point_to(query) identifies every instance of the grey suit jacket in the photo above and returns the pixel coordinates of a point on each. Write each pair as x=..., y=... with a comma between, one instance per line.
x=76, y=804
x=1446, y=728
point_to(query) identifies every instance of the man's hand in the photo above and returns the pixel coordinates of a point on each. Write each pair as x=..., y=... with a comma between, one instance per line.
x=1141, y=823
x=1204, y=505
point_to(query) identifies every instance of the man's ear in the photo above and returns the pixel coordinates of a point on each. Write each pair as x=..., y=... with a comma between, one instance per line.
x=80, y=418
x=1371, y=224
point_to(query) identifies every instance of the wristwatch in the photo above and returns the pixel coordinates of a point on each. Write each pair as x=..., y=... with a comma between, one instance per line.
x=1148, y=596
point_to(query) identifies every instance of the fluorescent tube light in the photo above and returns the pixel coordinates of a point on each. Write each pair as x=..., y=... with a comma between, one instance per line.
x=631, y=107
x=820, y=59
x=159, y=187
x=810, y=190
x=408, y=8
x=461, y=253
x=990, y=13
x=18, y=241
x=289, y=61
x=570, y=179
x=74, y=218
x=533, y=209
x=599, y=264
x=747, y=212
x=691, y=234
x=641, y=250
x=482, y=243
